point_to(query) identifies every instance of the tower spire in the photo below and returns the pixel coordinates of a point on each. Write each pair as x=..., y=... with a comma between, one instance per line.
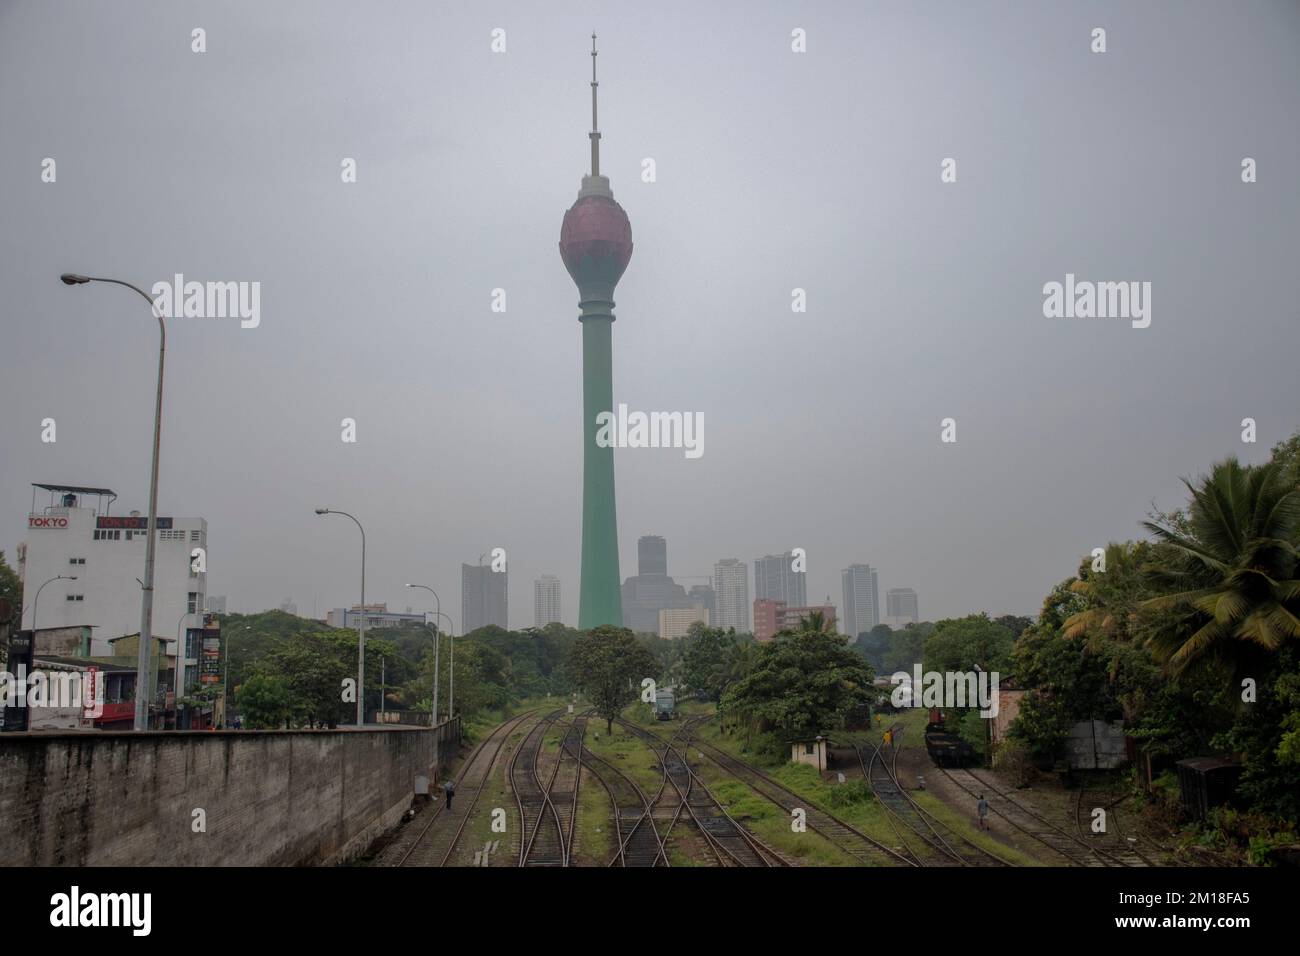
x=595, y=126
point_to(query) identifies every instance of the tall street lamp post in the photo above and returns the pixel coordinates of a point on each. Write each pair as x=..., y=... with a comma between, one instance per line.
x=37, y=600
x=451, y=678
x=361, y=631
x=437, y=644
x=146, y=600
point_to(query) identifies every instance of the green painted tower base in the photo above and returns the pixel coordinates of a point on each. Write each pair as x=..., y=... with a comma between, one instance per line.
x=600, y=600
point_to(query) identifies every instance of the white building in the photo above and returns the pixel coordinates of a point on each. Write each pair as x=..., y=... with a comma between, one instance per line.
x=901, y=608
x=675, y=622
x=861, y=599
x=377, y=615
x=731, y=590
x=546, y=600
x=75, y=536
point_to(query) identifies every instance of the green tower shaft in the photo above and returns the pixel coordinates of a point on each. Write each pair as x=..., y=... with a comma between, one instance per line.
x=596, y=244
x=600, y=600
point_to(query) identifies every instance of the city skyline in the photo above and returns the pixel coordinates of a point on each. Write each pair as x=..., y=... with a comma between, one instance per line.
x=396, y=271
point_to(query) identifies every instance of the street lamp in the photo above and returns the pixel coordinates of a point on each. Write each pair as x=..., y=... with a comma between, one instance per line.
x=361, y=631
x=451, y=678
x=36, y=600
x=146, y=599
x=437, y=646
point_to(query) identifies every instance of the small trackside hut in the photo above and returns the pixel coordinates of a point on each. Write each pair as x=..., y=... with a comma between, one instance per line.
x=809, y=750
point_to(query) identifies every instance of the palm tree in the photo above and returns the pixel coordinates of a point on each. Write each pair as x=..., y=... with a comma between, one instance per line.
x=816, y=622
x=1112, y=595
x=1233, y=572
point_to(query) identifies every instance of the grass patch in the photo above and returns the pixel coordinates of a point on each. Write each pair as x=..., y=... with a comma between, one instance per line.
x=595, y=841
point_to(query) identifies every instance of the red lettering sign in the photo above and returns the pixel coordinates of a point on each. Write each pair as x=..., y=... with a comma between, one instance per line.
x=46, y=521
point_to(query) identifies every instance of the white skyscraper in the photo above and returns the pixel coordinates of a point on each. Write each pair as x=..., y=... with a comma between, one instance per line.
x=861, y=599
x=546, y=600
x=731, y=587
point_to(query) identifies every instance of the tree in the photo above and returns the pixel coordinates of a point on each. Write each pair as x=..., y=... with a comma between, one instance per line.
x=1232, y=574
x=907, y=647
x=704, y=661
x=608, y=664
x=962, y=644
x=801, y=683
x=874, y=646
x=264, y=702
x=11, y=586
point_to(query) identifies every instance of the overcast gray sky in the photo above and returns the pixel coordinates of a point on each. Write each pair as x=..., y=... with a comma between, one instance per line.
x=775, y=170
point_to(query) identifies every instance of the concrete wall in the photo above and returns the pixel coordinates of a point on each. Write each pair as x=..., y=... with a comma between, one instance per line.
x=271, y=798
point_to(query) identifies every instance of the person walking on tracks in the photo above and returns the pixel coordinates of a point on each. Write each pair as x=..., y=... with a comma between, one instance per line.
x=449, y=788
x=888, y=738
x=983, y=807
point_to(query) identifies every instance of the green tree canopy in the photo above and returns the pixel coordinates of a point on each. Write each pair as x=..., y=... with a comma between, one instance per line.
x=608, y=664
x=801, y=683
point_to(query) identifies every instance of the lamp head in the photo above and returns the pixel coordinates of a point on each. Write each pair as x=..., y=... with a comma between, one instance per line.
x=71, y=278
x=322, y=511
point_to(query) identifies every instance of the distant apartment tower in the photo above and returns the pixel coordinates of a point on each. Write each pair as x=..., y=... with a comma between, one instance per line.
x=289, y=607
x=651, y=555
x=216, y=604
x=775, y=580
x=861, y=599
x=482, y=597
x=773, y=617
x=546, y=600
x=731, y=594
x=675, y=623
x=650, y=590
x=702, y=596
x=901, y=608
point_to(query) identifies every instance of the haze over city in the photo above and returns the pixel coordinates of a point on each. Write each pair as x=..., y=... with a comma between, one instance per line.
x=774, y=171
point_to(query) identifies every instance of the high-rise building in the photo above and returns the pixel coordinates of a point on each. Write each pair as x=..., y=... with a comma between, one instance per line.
x=75, y=537
x=773, y=617
x=651, y=590
x=596, y=246
x=289, y=607
x=901, y=608
x=776, y=580
x=482, y=597
x=861, y=599
x=703, y=596
x=216, y=603
x=651, y=555
x=546, y=600
x=675, y=623
x=731, y=590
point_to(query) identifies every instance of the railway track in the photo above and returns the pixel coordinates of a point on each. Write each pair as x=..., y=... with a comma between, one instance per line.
x=636, y=837
x=541, y=833
x=570, y=760
x=435, y=841
x=1113, y=841
x=731, y=843
x=1030, y=823
x=905, y=814
x=847, y=837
